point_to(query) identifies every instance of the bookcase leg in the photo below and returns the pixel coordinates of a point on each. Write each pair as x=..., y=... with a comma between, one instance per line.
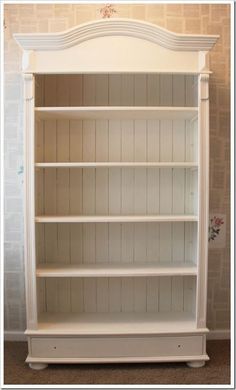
x=38, y=366
x=196, y=363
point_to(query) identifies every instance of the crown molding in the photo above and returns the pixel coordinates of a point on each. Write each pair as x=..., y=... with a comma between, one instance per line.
x=112, y=27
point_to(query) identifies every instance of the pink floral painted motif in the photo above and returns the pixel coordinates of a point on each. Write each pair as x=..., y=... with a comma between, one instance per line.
x=107, y=11
x=214, y=228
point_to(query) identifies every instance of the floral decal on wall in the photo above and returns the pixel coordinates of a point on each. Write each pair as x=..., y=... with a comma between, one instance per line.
x=214, y=227
x=217, y=231
x=107, y=11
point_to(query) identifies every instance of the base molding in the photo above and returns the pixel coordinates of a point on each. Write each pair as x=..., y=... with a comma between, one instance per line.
x=162, y=359
x=217, y=334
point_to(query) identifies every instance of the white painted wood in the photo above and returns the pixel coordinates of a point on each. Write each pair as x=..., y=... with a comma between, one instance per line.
x=115, y=112
x=117, y=165
x=102, y=360
x=203, y=199
x=115, y=347
x=116, y=218
x=29, y=208
x=113, y=269
x=116, y=323
x=98, y=28
x=135, y=128
x=38, y=366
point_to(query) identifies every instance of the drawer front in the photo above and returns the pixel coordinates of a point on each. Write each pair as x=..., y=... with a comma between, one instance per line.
x=97, y=347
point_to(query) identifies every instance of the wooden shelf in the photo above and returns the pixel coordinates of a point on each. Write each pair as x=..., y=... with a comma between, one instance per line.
x=120, y=112
x=114, y=218
x=115, y=269
x=115, y=323
x=116, y=164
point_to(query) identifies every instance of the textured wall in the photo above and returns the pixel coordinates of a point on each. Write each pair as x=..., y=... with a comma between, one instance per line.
x=186, y=18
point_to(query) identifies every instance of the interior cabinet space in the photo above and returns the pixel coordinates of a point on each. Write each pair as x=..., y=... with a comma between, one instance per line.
x=116, y=90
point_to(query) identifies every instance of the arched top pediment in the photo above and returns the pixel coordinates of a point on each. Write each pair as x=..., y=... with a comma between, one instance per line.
x=115, y=27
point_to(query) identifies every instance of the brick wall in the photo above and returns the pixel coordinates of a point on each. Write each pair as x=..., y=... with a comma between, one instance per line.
x=186, y=18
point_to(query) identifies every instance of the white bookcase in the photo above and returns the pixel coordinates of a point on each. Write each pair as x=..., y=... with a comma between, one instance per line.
x=116, y=189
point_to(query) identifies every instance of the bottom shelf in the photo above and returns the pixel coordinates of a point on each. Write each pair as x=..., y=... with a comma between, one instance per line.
x=115, y=323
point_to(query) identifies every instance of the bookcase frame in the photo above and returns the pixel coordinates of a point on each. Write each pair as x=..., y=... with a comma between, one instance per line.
x=144, y=311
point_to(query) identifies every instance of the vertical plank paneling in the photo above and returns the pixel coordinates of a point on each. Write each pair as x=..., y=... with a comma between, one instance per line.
x=166, y=140
x=101, y=242
x=114, y=89
x=189, y=91
x=189, y=294
x=178, y=190
x=77, y=295
x=165, y=242
x=178, y=140
x=140, y=90
x=114, y=233
x=114, y=143
x=76, y=243
x=76, y=140
x=114, y=295
x=76, y=90
x=140, y=140
x=50, y=90
x=178, y=242
x=89, y=90
x=101, y=90
x=140, y=191
x=41, y=295
x=101, y=191
x=152, y=294
x=153, y=191
x=188, y=244
x=127, y=200
x=90, y=300
x=166, y=191
x=153, y=140
x=179, y=90
x=89, y=194
x=52, y=301
x=102, y=295
x=89, y=247
x=114, y=180
x=89, y=140
x=39, y=90
x=153, y=90
x=51, y=243
x=64, y=295
x=140, y=295
x=127, y=146
x=140, y=242
x=177, y=292
x=127, y=90
x=153, y=244
x=101, y=140
x=75, y=192
x=63, y=91
x=165, y=294
x=127, y=245
x=50, y=174
x=127, y=294
x=64, y=246
x=165, y=90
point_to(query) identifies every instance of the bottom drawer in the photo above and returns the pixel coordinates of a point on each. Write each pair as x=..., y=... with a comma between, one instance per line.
x=119, y=346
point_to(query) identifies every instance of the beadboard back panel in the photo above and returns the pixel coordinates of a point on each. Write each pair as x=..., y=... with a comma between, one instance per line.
x=116, y=90
x=111, y=295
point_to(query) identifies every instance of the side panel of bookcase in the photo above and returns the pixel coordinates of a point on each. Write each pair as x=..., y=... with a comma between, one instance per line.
x=30, y=276
x=203, y=199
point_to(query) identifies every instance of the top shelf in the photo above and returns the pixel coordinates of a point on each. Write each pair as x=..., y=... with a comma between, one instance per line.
x=109, y=112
